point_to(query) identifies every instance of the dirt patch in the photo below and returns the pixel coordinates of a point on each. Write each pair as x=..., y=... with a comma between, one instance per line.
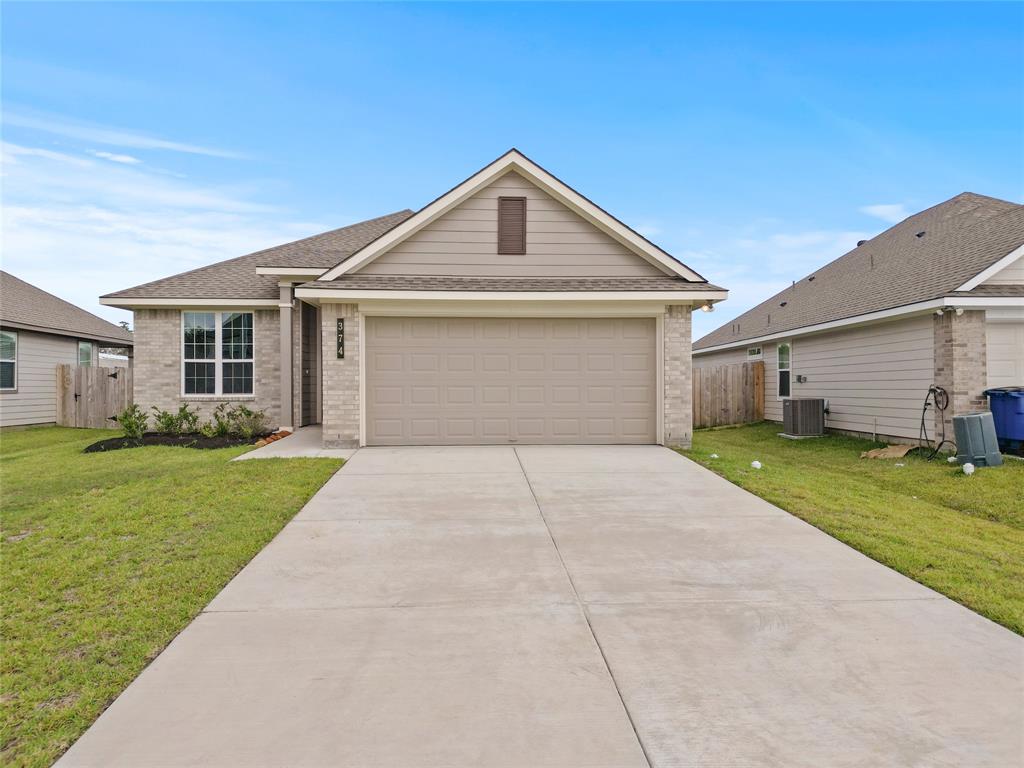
x=192, y=440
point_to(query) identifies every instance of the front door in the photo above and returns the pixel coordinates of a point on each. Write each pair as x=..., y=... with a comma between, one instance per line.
x=310, y=368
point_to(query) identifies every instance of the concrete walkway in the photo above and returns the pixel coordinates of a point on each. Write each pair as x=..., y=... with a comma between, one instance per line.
x=304, y=443
x=570, y=606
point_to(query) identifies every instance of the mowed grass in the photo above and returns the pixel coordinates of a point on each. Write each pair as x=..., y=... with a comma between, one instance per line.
x=962, y=536
x=105, y=557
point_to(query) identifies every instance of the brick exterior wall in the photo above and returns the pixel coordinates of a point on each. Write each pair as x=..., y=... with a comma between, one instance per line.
x=960, y=363
x=677, y=374
x=340, y=393
x=157, y=376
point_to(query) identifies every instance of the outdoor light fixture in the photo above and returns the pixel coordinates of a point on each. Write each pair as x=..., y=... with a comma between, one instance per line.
x=707, y=308
x=341, y=339
x=959, y=311
x=939, y=312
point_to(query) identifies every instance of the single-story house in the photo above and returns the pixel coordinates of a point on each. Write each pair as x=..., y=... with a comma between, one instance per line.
x=38, y=331
x=938, y=299
x=511, y=309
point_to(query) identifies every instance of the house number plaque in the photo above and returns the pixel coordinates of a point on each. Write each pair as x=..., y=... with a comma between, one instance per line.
x=341, y=339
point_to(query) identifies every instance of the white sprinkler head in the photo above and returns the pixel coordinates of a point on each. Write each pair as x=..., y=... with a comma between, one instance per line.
x=968, y=469
x=755, y=464
x=714, y=455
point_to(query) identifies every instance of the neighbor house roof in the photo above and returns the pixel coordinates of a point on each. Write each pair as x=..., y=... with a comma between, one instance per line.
x=237, y=278
x=926, y=256
x=24, y=306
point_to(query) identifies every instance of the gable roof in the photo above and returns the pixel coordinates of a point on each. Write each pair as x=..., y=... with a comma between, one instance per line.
x=514, y=160
x=926, y=256
x=22, y=305
x=237, y=278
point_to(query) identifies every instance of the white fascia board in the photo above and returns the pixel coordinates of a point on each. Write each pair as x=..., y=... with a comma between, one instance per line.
x=966, y=302
x=290, y=271
x=999, y=266
x=669, y=297
x=510, y=161
x=129, y=303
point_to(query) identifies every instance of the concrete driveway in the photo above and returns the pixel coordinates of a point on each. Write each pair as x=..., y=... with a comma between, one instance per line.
x=565, y=606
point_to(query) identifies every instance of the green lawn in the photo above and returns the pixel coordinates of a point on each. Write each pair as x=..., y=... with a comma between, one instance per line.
x=106, y=557
x=962, y=536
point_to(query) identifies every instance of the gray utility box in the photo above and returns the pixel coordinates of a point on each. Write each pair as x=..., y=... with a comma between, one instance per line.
x=803, y=416
x=976, y=441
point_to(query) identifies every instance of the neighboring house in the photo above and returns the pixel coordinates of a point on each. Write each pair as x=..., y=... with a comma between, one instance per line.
x=936, y=299
x=509, y=310
x=38, y=331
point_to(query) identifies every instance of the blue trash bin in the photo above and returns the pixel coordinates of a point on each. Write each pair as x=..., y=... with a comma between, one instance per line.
x=1007, y=405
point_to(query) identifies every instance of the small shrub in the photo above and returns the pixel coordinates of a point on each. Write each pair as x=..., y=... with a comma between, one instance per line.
x=220, y=426
x=133, y=421
x=164, y=421
x=246, y=422
x=207, y=429
x=187, y=420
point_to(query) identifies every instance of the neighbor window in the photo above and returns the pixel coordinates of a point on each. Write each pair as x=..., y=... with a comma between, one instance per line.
x=85, y=353
x=784, y=352
x=217, y=353
x=8, y=360
x=753, y=353
x=512, y=225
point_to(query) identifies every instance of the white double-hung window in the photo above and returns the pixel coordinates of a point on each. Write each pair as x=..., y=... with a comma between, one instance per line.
x=8, y=360
x=217, y=353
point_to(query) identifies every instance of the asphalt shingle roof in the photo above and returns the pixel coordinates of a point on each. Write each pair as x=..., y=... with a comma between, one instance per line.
x=237, y=279
x=926, y=256
x=430, y=283
x=22, y=305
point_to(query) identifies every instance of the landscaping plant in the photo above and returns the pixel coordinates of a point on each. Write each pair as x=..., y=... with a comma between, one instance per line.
x=187, y=420
x=164, y=421
x=246, y=422
x=133, y=421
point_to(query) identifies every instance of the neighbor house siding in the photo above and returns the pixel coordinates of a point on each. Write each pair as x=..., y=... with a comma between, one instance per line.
x=157, y=379
x=35, y=400
x=874, y=377
x=464, y=242
x=1012, y=274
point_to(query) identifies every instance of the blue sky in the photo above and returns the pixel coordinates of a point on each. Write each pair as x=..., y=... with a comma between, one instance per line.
x=754, y=142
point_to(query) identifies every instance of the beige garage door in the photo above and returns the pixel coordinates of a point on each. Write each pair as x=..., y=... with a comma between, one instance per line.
x=1004, y=344
x=437, y=381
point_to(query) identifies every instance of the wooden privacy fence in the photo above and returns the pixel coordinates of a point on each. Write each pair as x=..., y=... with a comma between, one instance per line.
x=728, y=394
x=88, y=396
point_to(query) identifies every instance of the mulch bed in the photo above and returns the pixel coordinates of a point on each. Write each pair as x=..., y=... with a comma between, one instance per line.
x=192, y=440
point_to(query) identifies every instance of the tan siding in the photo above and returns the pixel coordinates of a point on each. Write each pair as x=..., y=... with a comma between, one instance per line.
x=1005, y=353
x=35, y=402
x=463, y=242
x=1012, y=274
x=875, y=378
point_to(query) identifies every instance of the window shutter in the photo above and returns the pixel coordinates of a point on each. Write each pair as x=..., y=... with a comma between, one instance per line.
x=512, y=225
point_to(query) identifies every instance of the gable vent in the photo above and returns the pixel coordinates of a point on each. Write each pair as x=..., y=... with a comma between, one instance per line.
x=512, y=225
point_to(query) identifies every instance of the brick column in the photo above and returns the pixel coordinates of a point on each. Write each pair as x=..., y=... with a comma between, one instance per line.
x=286, y=304
x=340, y=377
x=677, y=375
x=960, y=363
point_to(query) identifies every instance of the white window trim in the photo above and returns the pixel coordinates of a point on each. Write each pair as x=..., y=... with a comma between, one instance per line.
x=218, y=359
x=759, y=355
x=92, y=352
x=17, y=349
x=778, y=378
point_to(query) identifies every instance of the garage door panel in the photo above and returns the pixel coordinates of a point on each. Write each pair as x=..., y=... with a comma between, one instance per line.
x=1005, y=353
x=500, y=380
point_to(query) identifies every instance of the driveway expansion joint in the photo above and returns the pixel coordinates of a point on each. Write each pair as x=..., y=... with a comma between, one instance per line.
x=586, y=614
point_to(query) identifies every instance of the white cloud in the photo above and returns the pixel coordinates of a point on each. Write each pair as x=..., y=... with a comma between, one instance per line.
x=892, y=213
x=115, y=158
x=97, y=134
x=80, y=227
